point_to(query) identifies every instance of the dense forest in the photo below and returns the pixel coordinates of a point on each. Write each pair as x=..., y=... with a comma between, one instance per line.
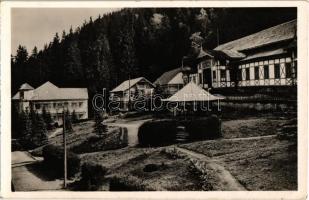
x=105, y=51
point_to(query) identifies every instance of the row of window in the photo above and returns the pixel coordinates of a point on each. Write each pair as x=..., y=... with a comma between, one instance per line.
x=59, y=117
x=266, y=62
x=278, y=72
x=222, y=75
x=58, y=105
x=196, y=79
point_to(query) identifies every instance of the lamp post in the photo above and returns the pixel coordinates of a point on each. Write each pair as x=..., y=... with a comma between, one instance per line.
x=64, y=152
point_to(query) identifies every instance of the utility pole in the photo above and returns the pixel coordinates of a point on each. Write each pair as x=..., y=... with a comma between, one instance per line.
x=218, y=41
x=129, y=103
x=64, y=152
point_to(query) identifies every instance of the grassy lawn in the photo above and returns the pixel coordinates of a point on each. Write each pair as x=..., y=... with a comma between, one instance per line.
x=251, y=127
x=259, y=164
x=83, y=139
x=127, y=170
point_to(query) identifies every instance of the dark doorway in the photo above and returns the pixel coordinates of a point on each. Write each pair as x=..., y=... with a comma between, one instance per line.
x=207, y=77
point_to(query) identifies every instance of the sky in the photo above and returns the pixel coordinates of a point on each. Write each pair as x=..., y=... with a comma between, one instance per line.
x=37, y=26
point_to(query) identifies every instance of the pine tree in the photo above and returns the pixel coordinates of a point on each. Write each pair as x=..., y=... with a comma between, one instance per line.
x=15, y=122
x=68, y=121
x=19, y=68
x=39, y=135
x=47, y=119
x=74, y=117
x=33, y=117
x=72, y=62
x=99, y=127
x=25, y=129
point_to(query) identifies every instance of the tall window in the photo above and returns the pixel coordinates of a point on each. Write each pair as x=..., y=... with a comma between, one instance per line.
x=200, y=78
x=266, y=72
x=223, y=75
x=277, y=71
x=214, y=75
x=239, y=74
x=247, y=74
x=256, y=73
x=288, y=70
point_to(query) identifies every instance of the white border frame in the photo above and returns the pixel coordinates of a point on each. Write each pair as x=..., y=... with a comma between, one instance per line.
x=302, y=31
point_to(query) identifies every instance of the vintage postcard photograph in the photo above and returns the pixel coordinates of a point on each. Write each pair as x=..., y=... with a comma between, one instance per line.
x=166, y=97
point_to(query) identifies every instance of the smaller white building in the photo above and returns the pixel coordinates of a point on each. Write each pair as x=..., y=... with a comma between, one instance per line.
x=131, y=89
x=170, y=82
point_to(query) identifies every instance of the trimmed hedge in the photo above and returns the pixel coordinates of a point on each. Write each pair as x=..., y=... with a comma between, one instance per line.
x=209, y=128
x=115, y=139
x=53, y=161
x=163, y=132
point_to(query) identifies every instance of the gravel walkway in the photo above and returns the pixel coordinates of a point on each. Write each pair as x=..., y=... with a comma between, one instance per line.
x=224, y=179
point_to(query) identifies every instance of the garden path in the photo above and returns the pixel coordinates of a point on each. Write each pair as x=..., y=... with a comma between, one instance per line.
x=132, y=127
x=24, y=179
x=224, y=179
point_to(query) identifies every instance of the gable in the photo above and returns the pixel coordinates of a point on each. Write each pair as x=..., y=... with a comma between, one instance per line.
x=177, y=79
x=275, y=34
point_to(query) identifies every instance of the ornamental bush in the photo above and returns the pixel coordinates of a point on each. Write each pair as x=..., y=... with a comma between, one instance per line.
x=53, y=161
x=163, y=132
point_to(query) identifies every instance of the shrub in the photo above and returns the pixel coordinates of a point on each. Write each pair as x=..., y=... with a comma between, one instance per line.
x=53, y=161
x=209, y=128
x=92, y=176
x=173, y=153
x=111, y=140
x=99, y=127
x=199, y=169
x=157, y=133
x=164, y=132
x=16, y=146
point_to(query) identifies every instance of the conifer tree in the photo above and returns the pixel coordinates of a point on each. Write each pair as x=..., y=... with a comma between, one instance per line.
x=68, y=121
x=25, y=129
x=74, y=117
x=99, y=127
x=47, y=119
x=39, y=134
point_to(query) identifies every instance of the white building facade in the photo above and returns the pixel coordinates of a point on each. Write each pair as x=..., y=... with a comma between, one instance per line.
x=53, y=99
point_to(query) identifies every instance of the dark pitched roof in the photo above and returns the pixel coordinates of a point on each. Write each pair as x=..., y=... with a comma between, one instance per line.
x=203, y=53
x=279, y=33
x=167, y=76
x=129, y=83
x=265, y=54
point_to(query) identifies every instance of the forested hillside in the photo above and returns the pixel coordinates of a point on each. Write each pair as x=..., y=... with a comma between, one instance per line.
x=103, y=52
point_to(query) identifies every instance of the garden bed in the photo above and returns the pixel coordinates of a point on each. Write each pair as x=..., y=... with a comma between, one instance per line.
x=251, y=127
x=258, y=164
